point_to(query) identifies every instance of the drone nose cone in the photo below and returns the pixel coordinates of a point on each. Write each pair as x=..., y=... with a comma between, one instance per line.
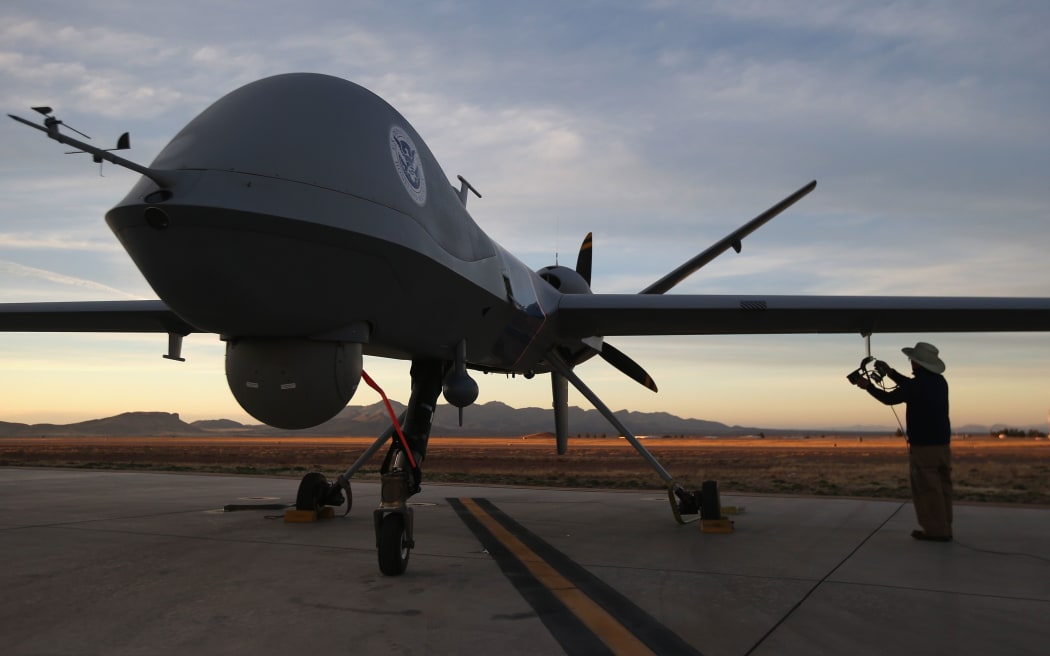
x=310, y=128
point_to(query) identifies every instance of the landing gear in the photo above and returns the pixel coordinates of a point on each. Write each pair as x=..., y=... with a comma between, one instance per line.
x=681, y=499
x=703, y=502
x=400, y=471
x=393, y=545
x=315, y=492
x=393, y=523
x=402, y=474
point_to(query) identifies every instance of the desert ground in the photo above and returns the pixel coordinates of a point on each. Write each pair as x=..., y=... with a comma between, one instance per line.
x=984, y=469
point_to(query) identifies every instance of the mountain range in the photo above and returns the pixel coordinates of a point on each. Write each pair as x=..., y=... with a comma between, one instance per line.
x=493, y=419
x=489, y=419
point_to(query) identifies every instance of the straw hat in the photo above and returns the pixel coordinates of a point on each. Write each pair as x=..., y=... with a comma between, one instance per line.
x=925, y=355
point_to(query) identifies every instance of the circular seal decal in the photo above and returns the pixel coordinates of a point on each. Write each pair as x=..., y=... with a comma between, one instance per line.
x=409, y=166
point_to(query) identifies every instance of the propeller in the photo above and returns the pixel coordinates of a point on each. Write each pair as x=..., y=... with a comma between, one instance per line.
x=583, y=260
x=626, y=365
x=578, y=281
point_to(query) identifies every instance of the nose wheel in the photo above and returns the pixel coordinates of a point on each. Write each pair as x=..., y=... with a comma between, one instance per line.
x=393, y=523
x=393, y=545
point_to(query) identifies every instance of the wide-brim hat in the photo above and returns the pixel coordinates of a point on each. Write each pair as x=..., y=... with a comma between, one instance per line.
x=925, y=355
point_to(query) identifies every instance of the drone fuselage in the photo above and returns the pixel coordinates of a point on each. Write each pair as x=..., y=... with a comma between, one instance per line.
x=305, y=206
x=305, y=221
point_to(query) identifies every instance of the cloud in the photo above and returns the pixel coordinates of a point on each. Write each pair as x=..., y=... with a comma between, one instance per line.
x=56, y=241
x=22, y=271
x=660, y=126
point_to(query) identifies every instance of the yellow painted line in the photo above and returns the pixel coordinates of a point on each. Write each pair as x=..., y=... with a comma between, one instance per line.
x=608, y=629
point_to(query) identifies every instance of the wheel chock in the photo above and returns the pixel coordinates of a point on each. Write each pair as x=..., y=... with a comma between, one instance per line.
x=723, y=525
x=292, y=516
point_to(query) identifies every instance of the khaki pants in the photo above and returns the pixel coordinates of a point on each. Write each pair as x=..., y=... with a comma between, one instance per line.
x=931, y=487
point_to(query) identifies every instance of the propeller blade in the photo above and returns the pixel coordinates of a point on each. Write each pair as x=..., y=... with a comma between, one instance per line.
x=732, y=240
x=560, y=392
x=583, y=260
x=625, y=364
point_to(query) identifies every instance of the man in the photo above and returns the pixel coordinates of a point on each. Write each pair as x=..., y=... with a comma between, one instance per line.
x=929, y=436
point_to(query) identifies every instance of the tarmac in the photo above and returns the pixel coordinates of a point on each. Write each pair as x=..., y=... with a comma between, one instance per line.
x=101, y=562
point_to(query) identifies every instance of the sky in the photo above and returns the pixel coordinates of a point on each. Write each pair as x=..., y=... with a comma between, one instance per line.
x=660, y=126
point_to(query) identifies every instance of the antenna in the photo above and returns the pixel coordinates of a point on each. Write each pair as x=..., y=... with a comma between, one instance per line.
x=463, y=188
x=51, y=122
x=557, y=237
x=123, y=143
x=51, y=125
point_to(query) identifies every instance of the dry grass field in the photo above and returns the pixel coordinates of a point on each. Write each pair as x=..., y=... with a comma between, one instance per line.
x=984, y=469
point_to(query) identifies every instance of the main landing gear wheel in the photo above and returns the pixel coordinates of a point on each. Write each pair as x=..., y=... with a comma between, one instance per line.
x=313, y=491
x=393, y=544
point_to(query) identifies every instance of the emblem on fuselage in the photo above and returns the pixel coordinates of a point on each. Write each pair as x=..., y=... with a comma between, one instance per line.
x=409, y=166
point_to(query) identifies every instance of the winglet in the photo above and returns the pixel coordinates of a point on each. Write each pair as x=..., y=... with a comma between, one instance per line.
x=733, y=240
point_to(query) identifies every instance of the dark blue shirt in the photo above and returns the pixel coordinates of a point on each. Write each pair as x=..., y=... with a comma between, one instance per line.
x=927, y=399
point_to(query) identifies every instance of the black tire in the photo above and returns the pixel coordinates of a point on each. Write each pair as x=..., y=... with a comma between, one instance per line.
x=313, y=490
x=349, y=499
x=710, y=504
x=393, y=545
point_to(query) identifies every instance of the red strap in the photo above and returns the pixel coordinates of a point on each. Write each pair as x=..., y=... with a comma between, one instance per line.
x=393, y=417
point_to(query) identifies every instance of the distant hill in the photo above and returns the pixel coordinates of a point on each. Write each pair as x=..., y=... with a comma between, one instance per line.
x=127, y=424
x=218, y=425
x=499, y=419
x=488, y=419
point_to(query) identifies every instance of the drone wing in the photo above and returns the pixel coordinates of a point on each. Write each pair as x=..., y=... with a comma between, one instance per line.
x=98, y=317
x=580, y=316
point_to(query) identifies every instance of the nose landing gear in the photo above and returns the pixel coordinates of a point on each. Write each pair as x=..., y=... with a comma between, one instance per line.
x=401, y=473
x=393, y=524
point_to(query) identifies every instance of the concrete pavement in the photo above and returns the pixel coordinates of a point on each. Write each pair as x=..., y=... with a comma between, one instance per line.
x=98, y=562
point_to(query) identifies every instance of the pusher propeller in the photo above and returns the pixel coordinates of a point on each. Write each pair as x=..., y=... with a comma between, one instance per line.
x=579, y=282
x=583, y=260
x=626, y=365
x=609, y=353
